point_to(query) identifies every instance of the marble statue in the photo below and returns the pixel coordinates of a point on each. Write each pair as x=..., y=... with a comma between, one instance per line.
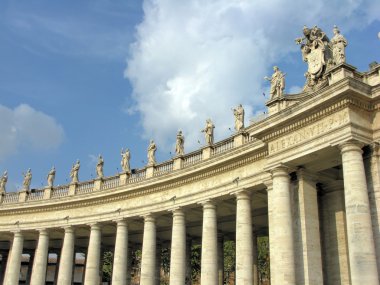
x=180, y=144
x=151, y=153
x=3, y=182
x=74, y=172
x=277, y=83
x=239, y=118
x=338, y=43
x=316, y=51
x=99, y=167
x=50, y=177
x=209, y=132
x=125, y=157
x=27, y=180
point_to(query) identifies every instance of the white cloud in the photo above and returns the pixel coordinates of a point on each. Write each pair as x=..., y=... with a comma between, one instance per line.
x=197, y=59
x=24, y=127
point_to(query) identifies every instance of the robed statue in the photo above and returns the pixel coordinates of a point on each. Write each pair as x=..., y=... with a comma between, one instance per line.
x=180, y=144
x=209, y=132
x=151, y=153
x=339, y=44
x=277, y=83
x=3, y=182
x=125, y=157
x=27, y=180
x=50, y=177
x=74, y=172
x=239, y=118
x=99, y=167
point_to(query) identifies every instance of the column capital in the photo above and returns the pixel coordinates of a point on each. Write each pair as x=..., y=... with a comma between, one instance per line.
x=178, y=211
x=149, y=218
x=43, y=231
x=95, y=226
x=68, y=229
x=208, y=204
x=121, y=222
x=243, y=195
x=17, y=233
x=280, y=171
x=351, y=145
x=303, y=173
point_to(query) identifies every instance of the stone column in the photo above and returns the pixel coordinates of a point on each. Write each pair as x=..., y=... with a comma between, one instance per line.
x=40, y=259
x=65, y=271
x=178, y=249
x=255, y=259
x=281, y=238
x=310, y=243
x=148, y=257
x=372, y=168
x=220, y=259
x=361, y=247
x=333, y=219
x=209, y=262
x=120, y=263
x=14, y=261
x=244, y=242
x=93, y=256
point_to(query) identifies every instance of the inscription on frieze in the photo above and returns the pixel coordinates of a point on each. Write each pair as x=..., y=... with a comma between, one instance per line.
x=312, y=131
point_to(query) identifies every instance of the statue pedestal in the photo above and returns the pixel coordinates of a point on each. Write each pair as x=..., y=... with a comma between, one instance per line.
x=149, y=171
x=206, y=152
x=239, y=139
x=339, y=72
x=178, y=162
x=73, y=188
x=123, y=177
x=23, y=195
x=98, y=184
x=47, y=192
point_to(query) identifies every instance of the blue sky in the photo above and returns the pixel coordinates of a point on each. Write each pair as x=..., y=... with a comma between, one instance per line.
x=82, y=78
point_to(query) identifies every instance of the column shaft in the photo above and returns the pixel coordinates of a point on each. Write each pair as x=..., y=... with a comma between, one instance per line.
x=310, y=243
x=119, y=273
x=93, y=256
x=178, y=249
x=281, y=237
x=244, y=243
x=12, y=272
x=40, y=259
x=361, y=247
x=65, y=271
x=209, y=258
x=148, y=258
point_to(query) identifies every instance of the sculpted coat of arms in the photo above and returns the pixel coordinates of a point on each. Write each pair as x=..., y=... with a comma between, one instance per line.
x=316, y=51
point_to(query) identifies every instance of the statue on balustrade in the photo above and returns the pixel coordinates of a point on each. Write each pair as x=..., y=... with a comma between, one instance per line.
x=99, y=167
x=3, y=182
x=209, y=132
x=277, y=83
x=239, y=118
x=180, y=144
x=151, y=153
x=74, y=172
x=339, y=44
x=27, y=180
x=316, y=51
x=51, y=177
x=125, y=157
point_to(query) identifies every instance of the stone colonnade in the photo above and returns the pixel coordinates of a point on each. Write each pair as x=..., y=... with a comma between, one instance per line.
x=296, y=242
